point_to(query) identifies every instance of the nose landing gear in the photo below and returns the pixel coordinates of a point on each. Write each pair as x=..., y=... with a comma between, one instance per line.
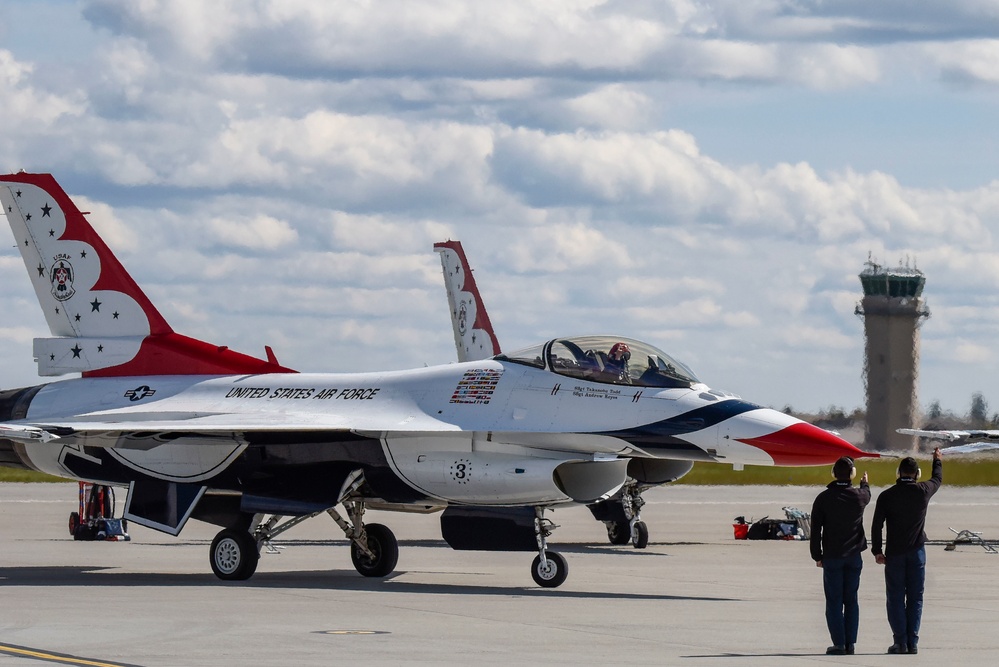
x=549, y=569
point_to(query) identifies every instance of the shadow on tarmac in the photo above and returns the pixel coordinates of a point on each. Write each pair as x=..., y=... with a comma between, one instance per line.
x=820, y=654
x=341, y=580
x=562, y=547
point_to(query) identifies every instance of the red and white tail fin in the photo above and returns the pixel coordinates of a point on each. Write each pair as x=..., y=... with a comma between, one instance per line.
x=104, y=325
x=477, y=341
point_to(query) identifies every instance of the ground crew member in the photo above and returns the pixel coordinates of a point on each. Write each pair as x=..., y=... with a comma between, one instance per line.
x=903, y=509
x=837, y=540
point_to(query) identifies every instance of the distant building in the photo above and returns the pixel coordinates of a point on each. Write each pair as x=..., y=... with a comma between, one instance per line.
x=892, y=310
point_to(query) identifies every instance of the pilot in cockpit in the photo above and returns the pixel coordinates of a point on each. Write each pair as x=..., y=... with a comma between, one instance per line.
x=617, y=361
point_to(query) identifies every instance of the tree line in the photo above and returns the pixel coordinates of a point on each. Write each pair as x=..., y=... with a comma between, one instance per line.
x=934, y=416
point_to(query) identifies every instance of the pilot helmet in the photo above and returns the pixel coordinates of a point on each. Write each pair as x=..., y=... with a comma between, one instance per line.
x=620, y=351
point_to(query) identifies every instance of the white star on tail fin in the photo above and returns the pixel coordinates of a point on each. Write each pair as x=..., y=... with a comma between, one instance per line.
x=102, y=322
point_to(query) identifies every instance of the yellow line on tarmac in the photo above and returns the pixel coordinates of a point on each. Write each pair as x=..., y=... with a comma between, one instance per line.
x=25, y=652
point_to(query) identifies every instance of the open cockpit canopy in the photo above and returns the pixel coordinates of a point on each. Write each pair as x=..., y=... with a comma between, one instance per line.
x=607, y=359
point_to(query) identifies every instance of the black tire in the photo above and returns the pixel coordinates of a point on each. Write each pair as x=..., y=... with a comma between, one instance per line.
x=74, y=522
x=640, y=536
x=618, y=532
x=384, y=546
x=234, y=555
x=552, y=576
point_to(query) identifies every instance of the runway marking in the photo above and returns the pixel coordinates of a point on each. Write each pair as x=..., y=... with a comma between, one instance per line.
x=353, y=632
x=61, y=658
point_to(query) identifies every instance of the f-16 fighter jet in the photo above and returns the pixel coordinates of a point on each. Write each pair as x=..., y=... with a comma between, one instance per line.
x=196, y=430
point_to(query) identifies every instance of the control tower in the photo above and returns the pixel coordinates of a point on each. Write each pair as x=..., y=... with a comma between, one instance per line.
x=892, y=310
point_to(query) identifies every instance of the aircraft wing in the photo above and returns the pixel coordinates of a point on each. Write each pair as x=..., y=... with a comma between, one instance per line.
x=144, y=431
x=979, y=435
x=23, y=433
x=981, y=439
x=972, y=448
x=210, y=425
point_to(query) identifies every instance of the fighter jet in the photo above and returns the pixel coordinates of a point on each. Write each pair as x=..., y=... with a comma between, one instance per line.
x=196, y=430
x=475, y=339
x=978, y=440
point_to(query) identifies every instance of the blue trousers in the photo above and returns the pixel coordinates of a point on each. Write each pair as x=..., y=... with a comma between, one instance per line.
x=905, y=577
x=841, y=581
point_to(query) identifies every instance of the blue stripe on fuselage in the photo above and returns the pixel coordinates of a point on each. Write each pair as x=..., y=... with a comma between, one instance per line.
x=664, y=434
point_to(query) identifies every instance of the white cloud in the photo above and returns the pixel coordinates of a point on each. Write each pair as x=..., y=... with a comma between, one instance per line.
x=19, y=336
x=557, y=248
x=297, y=159
x=377, y=235
x=613, y=106
x=972, y=353
x=259, y=232
x=28, y=108
x=816, y=339
x=971, y=61
x=103, y=218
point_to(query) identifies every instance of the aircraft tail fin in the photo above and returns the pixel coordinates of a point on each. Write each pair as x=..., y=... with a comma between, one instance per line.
x=474, y=337
x=102, y=323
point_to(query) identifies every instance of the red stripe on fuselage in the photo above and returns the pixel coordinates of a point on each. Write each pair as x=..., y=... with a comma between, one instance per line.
x=803, y=444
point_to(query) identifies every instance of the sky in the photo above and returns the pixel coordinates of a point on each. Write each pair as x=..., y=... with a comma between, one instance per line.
x=708, y=176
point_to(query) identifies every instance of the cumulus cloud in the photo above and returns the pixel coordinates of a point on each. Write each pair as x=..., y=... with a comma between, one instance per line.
x=379, y=235
x=680, y=39
x=611, y=106
x=559, y=248
x=967, y=352
x=967, y=61
x=260, y=232
x=115, y=232
x=299, y=158
x=24, y=102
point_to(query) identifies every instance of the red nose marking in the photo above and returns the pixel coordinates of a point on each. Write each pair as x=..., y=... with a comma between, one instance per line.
x=802, y=444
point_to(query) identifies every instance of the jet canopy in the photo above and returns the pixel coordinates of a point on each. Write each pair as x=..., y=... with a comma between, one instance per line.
x=606, y=359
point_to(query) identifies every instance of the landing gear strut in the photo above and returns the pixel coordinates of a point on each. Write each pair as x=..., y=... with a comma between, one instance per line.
x=374, y=550
x=549, y=569
x=632, y=528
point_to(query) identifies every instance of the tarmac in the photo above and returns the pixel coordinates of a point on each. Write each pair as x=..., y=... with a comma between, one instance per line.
x=695, y=596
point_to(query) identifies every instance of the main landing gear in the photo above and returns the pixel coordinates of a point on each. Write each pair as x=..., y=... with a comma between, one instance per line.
x=374, y=549
x=632, y=528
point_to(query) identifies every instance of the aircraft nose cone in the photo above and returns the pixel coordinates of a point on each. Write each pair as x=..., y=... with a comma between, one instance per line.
x=802, y=444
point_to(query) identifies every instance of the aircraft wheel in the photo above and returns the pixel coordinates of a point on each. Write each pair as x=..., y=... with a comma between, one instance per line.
x=74, y=522
x=554, y=574
x=384, y=546
x=618, y=532
x=234, y=555
x=640, y=536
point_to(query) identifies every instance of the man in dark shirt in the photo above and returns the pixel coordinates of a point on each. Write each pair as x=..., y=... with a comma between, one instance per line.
x=837, y=540
x=903, y=508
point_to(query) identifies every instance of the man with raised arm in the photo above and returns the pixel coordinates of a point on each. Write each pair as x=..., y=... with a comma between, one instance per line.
x=902, y=508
